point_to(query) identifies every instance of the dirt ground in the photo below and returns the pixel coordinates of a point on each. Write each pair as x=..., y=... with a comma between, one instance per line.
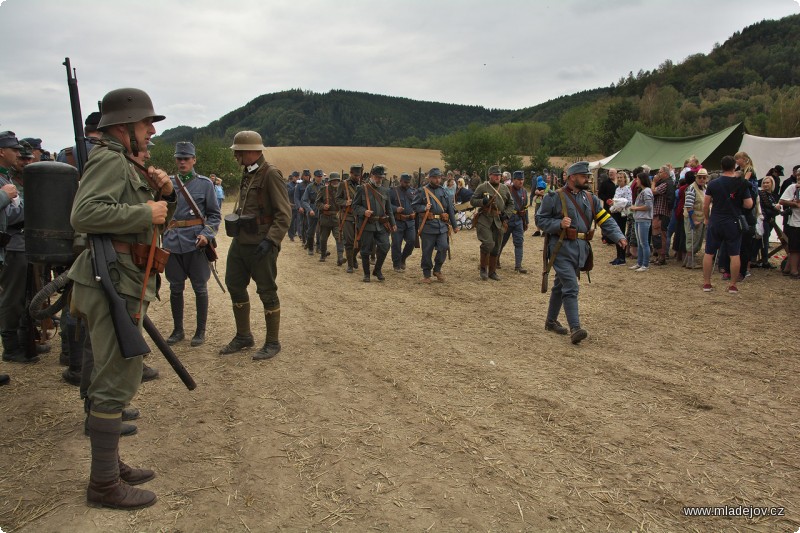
x=397, y=406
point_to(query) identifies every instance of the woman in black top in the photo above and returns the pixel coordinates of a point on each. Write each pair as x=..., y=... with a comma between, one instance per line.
x=767, y=198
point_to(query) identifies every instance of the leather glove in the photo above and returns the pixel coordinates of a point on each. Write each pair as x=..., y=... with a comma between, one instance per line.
x=263, y=249
x=485, y=200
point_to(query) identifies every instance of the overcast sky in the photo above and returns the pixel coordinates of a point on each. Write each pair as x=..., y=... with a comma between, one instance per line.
x=199, y=59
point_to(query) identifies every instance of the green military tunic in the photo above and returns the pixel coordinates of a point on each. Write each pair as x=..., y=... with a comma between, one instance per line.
x=112, y=199
x=489, y=224
x=262, y=194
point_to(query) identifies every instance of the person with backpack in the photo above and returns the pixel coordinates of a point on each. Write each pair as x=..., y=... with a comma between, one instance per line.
x=663, y=201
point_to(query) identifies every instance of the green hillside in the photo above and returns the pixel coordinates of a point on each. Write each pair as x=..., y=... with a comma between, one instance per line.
x=753, y=77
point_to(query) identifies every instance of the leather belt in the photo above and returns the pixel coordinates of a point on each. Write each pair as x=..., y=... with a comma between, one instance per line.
x=330, y=213
x=401, y=216
x=185, y=223
x=266, y=219
x=585, y=236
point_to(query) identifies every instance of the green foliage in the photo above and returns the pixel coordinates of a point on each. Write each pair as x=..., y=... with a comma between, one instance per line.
x=213, y=157
x=540, y=160
x=477, y=148
x=752, y=77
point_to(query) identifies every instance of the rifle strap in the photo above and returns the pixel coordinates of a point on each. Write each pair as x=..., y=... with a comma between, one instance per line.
x=564, y=193
x=189, y=200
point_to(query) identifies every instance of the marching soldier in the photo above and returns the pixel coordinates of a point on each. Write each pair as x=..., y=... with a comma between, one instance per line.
x=401, y=198
x=309, y=205
x=518, y=223
x=263, y=219
x=437, y=217
x=565, y=217
x=375, y=221
x=299, y=191
x=344, y=201
x=495, y=207
x=291, y=183
x=186, y=238
x=114, y=199
x=329, y=218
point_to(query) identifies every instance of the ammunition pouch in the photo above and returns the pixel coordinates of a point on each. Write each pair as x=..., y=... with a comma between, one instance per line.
x=571, y=234
x=139, y=253
x=232, y=225
x=236, y=224
x=384, y=221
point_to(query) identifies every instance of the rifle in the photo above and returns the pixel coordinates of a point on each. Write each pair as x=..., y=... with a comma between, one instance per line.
x=209, y=249
x=81, y=156
x=130, y=339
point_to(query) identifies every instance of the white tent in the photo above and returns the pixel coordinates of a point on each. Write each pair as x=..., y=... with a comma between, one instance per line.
x=766, y=152
x=593, y=165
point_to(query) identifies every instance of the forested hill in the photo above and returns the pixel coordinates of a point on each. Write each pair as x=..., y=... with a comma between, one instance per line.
x=753, y=77
x=340, y=118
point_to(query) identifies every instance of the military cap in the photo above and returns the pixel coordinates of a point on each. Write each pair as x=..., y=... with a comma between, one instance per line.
x=405, y=176
x=8, y=139
x=294, y=174
x=184, y=149
x=35, y=144
x=434, y=172
x=318, y=173
x=356, y=167
x=518, y=175
x=306, y=172
x=581, y=167
x=93, y=119
x=495, y=169
x=26, y=152
x=378, y=170
x=334, y=176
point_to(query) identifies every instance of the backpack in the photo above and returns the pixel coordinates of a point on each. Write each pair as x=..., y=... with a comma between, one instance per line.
x=671, y=193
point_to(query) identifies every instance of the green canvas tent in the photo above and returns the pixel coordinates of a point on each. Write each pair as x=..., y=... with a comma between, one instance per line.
x=656, y=151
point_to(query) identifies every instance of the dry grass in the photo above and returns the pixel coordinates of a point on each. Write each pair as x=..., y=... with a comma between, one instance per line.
x=402, y=407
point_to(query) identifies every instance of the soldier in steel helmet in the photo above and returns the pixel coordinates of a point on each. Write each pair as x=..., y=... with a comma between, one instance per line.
x=329, y=218
x=374, y=221
x=258, y=225
x=117, y=200
x=186, y=237
x=495, y=207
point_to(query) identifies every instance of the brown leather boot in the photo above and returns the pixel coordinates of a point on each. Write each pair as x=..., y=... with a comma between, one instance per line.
x=493, y=268
x=106, y=489
x=134, y=476
x=484, y=266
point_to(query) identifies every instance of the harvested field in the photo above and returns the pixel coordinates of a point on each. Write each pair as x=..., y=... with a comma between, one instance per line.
x=401, y=407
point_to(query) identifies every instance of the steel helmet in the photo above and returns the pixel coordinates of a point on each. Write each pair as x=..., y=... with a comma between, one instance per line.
x=126, y=106
x=247, y=140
